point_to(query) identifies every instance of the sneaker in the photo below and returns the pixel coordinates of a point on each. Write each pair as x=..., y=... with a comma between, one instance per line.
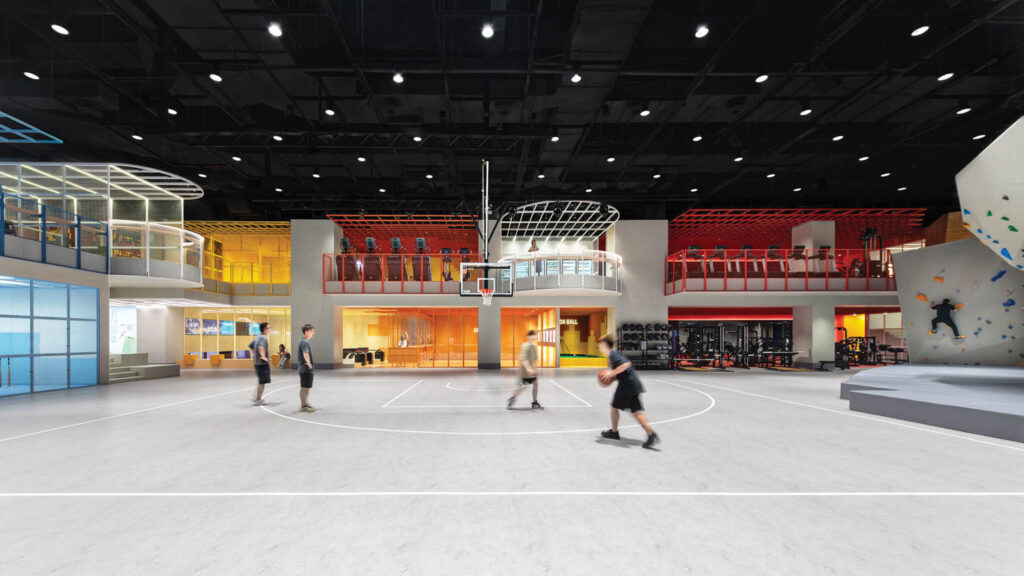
x=536, y=405
x=511, y=402
x=258, y=403
x=610, y=434
x=307, y=408
x=652, y=440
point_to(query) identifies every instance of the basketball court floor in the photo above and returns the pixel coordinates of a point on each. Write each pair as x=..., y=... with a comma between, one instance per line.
x=425, y=472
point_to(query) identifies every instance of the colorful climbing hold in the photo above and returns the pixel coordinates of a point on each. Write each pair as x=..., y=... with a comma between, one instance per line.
x=1013, y=228
x=999, y=274
x=1009, y=303
x=1006, y=254
x=939, y=279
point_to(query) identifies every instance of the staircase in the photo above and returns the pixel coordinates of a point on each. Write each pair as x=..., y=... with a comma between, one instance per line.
x=135, y=367
x=124, y=374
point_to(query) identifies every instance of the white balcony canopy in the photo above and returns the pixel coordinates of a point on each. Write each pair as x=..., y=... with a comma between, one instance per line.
x=582, y=220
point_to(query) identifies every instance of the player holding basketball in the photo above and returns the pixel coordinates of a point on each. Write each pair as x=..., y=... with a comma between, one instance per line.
x=627, y=394
x=527, y=370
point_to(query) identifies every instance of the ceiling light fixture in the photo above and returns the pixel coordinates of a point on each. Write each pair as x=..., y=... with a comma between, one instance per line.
x=837, y=137
x=761, y=79
x=702, y=31
x=589, y=190
x=136, y=137
x=236, y=158
x=698, y=138
x=610, y=159
x=963, y=111
x=901, y=188
x=805, y=108
x=316, y=174
x=329, y=111
x=645, y=111
x=487, y=31
x=797, y=189
x=541, y=176
x=275, y=30
x=417, y=139
x=945, y=76
x=738, y=159
x=361, y=158
x=555, y=138
x=216, y=77
x=805, y=112
x=978, y=137
x=278, y=190
x=201, y=175
x=656, y=176
x=919, y=31
x=381, y=190
x=31, y=75
x=277, y=138
x=397, y=78
x=770, y=175
x=172, y=111
x=59, y=29
x=863, y=158
x=693, y=189
x=430, y=176
x=576, y=78
x=886, y=174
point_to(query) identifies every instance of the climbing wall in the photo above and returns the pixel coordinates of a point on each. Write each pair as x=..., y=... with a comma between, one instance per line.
x=987, y=292
x=991, y=190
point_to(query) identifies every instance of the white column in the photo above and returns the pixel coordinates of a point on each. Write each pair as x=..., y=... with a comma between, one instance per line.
x=311, y=239
x=489, y=317
x=814, y=328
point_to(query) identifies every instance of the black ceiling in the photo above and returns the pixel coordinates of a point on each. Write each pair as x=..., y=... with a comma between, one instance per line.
x=853, y=62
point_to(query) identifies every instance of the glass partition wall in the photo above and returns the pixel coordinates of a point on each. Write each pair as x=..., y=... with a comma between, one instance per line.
x=227, y=332
x=408, y=337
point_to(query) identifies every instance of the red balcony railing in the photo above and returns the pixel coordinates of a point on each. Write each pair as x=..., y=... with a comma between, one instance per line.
x=393, y=273
x=768, y=270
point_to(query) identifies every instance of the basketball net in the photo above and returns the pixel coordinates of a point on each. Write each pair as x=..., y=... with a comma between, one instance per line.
x=487, y=294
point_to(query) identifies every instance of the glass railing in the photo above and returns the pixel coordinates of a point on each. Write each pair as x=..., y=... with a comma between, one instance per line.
x=566, y=269
x=249, y=279
x=41, y=233
x=777, y=270
x=155, y=250
x=393, y=273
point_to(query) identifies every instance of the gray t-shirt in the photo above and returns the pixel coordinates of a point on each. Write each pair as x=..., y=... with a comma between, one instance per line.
x=260, y=342
x=303, y=350
x=527, y=353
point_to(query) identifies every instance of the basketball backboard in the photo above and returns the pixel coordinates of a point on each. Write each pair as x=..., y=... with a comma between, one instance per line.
x=477, y=276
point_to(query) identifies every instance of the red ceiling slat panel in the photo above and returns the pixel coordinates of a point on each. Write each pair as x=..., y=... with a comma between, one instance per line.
x=733, y=228
x=439, y=230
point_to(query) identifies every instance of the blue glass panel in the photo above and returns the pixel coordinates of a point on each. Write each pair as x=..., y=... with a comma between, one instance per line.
x=49, y=299
x=14, y=293
x=14, y=376
x=83, y=336
x=50, y=373
x=51, y=336
x=84, y=302
x=15, y=335
x=83, y=370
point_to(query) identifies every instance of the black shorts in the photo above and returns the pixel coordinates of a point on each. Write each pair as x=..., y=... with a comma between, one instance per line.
x=263, y=373
x=306, y=379
x=528, y=381
x=627, y=399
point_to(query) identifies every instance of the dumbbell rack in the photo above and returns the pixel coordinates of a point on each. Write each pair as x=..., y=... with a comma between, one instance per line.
x=647, y=346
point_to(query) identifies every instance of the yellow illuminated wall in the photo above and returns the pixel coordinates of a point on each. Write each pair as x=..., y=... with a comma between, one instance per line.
x=581, y=328
x=237, y=255
x=230, y=345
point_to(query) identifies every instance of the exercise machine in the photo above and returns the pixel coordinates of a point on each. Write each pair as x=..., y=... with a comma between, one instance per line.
x=396, y=272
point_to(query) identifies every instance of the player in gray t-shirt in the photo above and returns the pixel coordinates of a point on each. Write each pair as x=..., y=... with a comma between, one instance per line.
x=527, y=370
x=305, y=368
x=261, y=361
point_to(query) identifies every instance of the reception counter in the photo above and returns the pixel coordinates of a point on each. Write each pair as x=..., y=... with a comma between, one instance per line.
x=403, y=356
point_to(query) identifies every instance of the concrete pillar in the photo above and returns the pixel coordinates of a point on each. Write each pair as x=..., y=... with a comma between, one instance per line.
x=643, y=245
x=814, y=329
x=489, y=317
x=160, y=333
x=311, y=239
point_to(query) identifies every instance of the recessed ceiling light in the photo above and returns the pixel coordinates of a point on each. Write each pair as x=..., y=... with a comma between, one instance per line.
x=487, y=31
x=886, y=174
x=201, y=175
x=417, y=139
x=329, y=111
x=541, y=176
x=863, y=158
x=738, y=159
x=589, y=190
x=945, y=76
x=397, y=78
x=645, y=112
x=761, y=79
x=771, y=175
x=901, y=188
x=216, y=77
x=698, y=138
x=805, y=111
x=316, y=175
x=236, y=158
x=656, y=176
x=277, y=138
x=31, y=75
x=381, y=190
x=919, y=31
x=701, y=31
x=693, y=189
x=978, y=137
x=59, y=29
x=837, y=137
x=172, y=111
x=278, y=190
x=576, y=78
x=361, y=158
x=555, y=138
x=797, y=189
x=275, y=30
x=610, y=159
x=136, y=137
x=963, y=111
x=430, y=176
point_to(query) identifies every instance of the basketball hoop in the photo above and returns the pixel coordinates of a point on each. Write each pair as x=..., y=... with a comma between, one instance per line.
x=487, y=294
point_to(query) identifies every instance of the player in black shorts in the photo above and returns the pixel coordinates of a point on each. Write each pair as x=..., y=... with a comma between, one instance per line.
x=627, y=393
x=305, y=368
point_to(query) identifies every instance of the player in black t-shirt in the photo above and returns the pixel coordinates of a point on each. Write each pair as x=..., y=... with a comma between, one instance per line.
x=627, y=393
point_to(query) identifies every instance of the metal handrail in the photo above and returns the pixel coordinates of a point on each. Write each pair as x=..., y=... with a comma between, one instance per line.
x=35, y=221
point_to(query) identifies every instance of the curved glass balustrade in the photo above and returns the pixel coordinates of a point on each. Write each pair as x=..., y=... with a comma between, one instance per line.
x=567, y=270
x=146, y=249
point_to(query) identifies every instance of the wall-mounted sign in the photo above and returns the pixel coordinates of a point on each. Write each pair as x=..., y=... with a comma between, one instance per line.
x=568, y=321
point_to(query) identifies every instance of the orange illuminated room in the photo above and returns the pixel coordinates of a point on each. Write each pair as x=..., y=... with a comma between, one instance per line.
x=406, y=337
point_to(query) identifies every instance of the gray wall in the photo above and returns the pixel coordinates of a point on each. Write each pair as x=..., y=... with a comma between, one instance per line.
x=311, y=239
x=990, y=291
x=161, y=333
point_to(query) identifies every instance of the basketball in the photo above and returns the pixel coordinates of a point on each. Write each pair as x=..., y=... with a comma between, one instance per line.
x=603, y=379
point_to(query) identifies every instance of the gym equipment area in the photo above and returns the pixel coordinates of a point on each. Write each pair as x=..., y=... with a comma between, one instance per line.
x=710, y=345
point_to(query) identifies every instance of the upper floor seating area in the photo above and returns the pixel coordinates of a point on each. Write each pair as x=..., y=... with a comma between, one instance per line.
x=788, y=250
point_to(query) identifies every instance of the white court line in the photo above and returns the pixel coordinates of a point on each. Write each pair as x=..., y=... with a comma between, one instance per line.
x=449, y=386
x=589, y=405
x=128, y=414
x=514, y=494
x=849, y=413
x=501, y=407
x=402, y=393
